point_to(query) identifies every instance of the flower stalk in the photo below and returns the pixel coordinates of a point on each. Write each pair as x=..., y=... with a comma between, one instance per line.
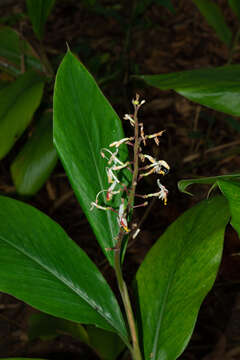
x=128, y=195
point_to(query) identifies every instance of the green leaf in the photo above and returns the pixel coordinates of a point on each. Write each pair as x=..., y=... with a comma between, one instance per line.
x=176, y=275
x=42, y=266
x=212, y=13
x=216, y=88
x=18, y=102
x=231, y=190
x=84, y=123
x=38, y=11
x=47, y=327
x=35, y=162
x=107, y=344
x=235, y=5
x=183, y=184
x=13, y=50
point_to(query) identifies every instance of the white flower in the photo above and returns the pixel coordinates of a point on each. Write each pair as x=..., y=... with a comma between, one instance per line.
x=122, y=221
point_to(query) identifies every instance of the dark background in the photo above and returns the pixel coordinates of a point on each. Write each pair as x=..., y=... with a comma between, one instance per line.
x=114, y=45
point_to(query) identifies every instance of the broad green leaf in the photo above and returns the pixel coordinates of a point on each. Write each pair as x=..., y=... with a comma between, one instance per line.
x=13, y=50
x=42, y=266
x=107, y=344
x=47, y=327
x=38, y=11
x=183, y=184
x=84, y=123
x=231, y=190
x=213, y=14
x=235, y=5
x=216, y=88
x=35, y=162
x=18, y=102
x=176, y=275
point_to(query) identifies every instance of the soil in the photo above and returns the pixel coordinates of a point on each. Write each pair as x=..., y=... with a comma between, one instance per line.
x=114, y=47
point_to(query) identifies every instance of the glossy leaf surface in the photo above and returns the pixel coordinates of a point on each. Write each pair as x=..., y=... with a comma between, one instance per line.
x=213, y=14
x=176, y=275
x=231, y=190
x=42, y=266
x=13, y=49
x=217, y=88
x=183, y=184
x=84, y=123
x=38, y=11
x=18, y=102
x=36, y=160
x=235, y=5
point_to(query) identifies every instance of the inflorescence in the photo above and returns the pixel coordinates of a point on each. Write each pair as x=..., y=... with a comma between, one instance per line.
x=115, y=166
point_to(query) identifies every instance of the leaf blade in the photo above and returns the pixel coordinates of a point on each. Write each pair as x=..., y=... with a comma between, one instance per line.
x=171, y=301
x=18, y=102
x=38, y=11
x=50, y=272
x=84, y=123
x=213, y=14
x=183, y=184
x=216, y=88
x=231, y=190
x=36, y=160
x=12, y=48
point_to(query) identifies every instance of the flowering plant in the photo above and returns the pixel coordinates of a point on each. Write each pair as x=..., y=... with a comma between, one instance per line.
x=42, y=266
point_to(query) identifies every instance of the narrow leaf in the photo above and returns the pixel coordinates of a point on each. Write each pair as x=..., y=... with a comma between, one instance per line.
x=235, y=5
x=38, y=11
x=183, y=184
x=176, y=275
x=13, y=49
x=213, y=14
x=18, y=102
x=35, y=162
x=84, y=123
x=231, y=190
x=216, y=88
x=42, y=266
